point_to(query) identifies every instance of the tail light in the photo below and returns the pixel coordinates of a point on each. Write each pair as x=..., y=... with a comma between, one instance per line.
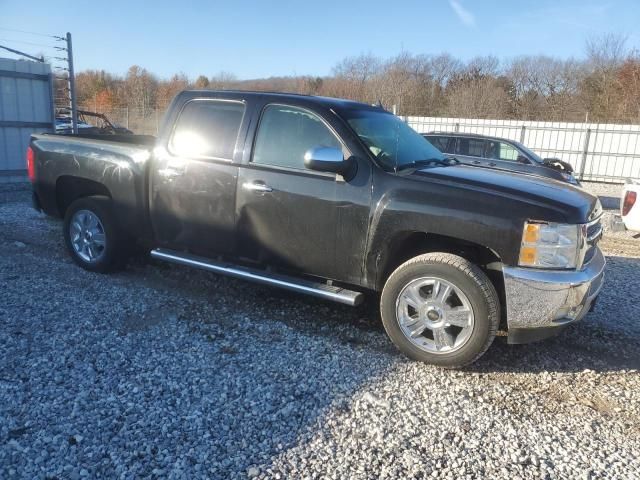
x=31, y=167
x=629, y=201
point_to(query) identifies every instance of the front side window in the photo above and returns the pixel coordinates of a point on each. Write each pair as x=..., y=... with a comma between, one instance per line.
x=502, y=151
x=286, y=133
x=207, y=128
x=394, y=143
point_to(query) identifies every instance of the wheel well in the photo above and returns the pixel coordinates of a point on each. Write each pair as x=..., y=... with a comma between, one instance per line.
x=69, y=189
x=412, y=244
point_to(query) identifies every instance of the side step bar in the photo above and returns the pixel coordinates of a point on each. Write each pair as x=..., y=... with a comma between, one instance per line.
x=329, y=292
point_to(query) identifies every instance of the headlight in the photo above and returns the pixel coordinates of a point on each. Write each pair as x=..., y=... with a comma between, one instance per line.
x=550, y=245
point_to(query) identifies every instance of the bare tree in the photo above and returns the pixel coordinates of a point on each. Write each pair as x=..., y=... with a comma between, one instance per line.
x=140, y=88
x=600, y=93
x=201, y=82
x=222, y=80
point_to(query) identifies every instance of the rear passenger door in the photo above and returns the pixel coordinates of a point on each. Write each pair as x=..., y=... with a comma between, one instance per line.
x=471, y=150
x=445, y=144
x=193, y=179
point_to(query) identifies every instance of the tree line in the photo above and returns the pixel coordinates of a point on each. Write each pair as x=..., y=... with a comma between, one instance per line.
x=603, y=86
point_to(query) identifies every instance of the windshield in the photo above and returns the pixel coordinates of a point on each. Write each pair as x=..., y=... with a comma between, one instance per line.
x=391, y=140
x=533, y=155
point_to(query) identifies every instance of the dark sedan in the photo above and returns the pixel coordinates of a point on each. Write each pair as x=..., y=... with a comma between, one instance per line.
x=500, y=153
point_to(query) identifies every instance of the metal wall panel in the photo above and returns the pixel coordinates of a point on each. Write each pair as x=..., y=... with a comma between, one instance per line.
x=26, y=107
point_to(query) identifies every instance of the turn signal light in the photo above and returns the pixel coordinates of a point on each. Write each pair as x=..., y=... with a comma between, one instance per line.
x=531, y=233
x=629, y=202
x=31, y=168
x=528, y=255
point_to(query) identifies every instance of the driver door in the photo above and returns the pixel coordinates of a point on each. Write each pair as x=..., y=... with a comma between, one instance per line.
x=293, y=218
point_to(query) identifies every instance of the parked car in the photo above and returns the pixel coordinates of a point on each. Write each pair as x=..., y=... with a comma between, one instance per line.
x=501, y=154
x=629, y=218
x=89, y=123
x=335, y=199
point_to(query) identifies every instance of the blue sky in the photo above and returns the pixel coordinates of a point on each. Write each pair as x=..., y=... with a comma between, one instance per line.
x=271, y=38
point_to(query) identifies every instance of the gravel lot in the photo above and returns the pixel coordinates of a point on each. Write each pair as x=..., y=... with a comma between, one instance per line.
x=166, y=372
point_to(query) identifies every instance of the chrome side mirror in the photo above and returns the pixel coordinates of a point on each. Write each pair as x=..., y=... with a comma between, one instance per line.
x=327, y=159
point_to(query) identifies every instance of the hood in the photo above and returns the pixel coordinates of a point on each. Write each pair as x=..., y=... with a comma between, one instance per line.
x=575, y=204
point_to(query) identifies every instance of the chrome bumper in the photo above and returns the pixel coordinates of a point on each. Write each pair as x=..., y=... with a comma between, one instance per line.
x=543, y=299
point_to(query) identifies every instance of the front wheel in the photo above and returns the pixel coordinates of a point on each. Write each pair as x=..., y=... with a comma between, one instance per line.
x=441, y=309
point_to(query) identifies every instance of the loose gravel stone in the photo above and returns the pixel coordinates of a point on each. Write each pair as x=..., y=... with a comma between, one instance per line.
x=165, y=372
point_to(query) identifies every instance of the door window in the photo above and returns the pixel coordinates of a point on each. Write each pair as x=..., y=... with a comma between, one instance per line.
x=285, y=133
x=472, y=147
x=441, y=143
x=502, y=151
x=207, y=128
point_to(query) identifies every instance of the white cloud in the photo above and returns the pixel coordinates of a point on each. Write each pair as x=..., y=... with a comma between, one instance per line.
x=463, y=14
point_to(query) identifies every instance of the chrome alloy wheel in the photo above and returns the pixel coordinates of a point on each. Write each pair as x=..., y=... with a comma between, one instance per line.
x=87, y=236
x=434, y=315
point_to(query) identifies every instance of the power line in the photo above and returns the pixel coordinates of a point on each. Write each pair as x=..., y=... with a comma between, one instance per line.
x=27, y=32
x=27, y=43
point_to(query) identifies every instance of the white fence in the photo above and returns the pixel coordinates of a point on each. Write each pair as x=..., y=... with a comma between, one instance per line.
x=597, y=152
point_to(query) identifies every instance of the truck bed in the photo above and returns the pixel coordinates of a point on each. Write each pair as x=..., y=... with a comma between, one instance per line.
x=66, y=165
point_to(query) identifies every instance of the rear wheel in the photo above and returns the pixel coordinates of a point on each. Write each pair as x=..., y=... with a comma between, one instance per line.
x=92, y=236
x=440, y=308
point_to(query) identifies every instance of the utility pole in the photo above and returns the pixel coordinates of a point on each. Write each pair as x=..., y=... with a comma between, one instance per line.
x=72, y=86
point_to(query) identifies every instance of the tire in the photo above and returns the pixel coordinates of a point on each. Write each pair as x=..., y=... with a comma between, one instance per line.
x=471, y=305
x=104, y=258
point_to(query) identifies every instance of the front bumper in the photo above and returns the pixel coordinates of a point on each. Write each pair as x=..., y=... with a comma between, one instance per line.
x=540, y=302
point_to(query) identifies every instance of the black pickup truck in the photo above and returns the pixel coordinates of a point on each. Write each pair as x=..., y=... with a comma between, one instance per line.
x=335, y=199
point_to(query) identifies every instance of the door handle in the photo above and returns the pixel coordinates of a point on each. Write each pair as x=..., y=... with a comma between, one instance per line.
x=476, y=162
x=257, y=187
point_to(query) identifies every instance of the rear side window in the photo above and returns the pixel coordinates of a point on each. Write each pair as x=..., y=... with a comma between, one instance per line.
x=471, y=147
x=285, y=133
x=207, y=128
x=441, y=143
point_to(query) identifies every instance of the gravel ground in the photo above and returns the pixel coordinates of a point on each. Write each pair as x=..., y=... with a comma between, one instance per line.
x=165, y=372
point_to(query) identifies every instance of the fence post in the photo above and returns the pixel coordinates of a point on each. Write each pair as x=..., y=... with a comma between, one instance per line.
x=522, y=132
x=585, y=152
x=457, y=127
x=127, y=117
x=157, y=126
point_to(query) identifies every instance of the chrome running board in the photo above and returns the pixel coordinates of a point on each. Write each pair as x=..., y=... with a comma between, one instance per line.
x=321, y=290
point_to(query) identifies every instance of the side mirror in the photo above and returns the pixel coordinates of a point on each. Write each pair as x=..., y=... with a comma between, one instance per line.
x=559, y=165
x=327, y=159
x=523, y=159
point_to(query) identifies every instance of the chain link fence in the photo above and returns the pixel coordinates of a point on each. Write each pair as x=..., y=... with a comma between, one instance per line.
x=598, y=152
x=143, y=121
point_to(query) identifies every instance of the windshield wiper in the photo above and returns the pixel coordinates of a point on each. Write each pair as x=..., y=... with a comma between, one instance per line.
x=428, y=162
